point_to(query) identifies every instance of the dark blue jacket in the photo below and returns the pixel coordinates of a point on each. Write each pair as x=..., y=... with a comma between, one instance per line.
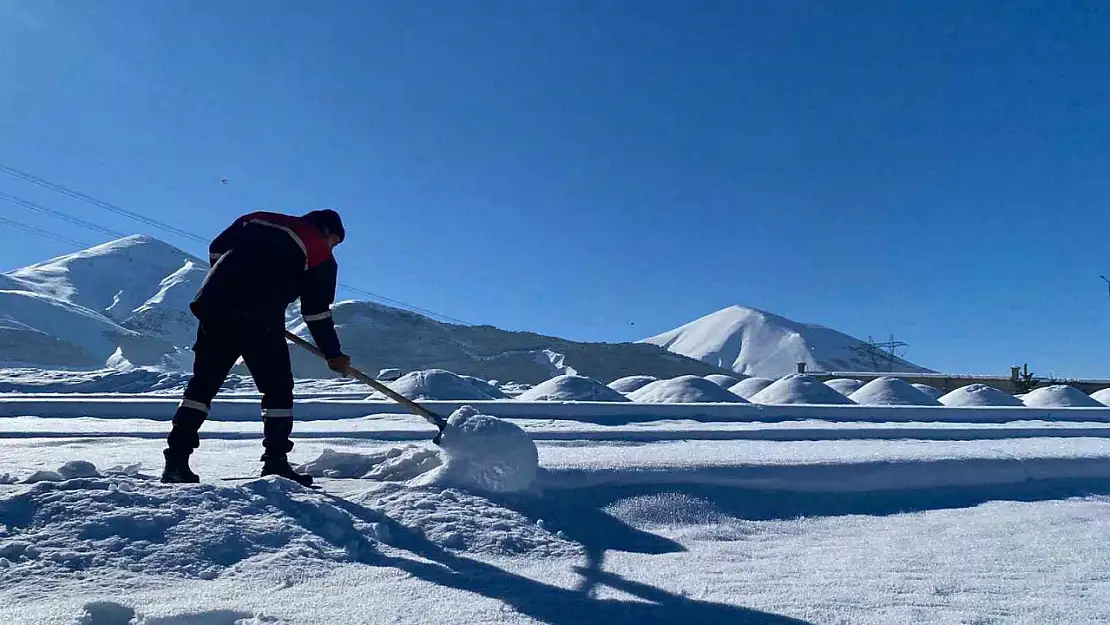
x=262, y=263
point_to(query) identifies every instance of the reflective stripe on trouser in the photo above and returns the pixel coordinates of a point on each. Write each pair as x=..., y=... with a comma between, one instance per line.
x=281, y=413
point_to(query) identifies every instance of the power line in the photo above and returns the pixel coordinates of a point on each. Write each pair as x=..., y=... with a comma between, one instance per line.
x=40, y=232
x=38, y=208
x=46, y=184
x=77, y=195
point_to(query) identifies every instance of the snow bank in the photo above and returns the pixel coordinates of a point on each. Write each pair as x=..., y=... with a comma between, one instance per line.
x=631, y=383
x=979, y=395
x=725, y=381
x=844, y=386
x=797, y=388
x=683, y=389
x=436, y=384
x=751, y=386
x=1060, y=396
x=197, y=531
x=930, y=391
x=889, y=391
x=571, y=388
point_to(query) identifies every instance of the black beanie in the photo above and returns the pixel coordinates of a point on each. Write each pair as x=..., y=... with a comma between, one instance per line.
x=327, y=221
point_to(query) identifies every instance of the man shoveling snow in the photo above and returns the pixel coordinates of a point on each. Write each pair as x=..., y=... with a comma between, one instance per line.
x=260, y=264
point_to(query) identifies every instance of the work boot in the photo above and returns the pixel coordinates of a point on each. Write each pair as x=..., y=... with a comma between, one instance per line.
x=275, y=459
x=182, y=440
x=177, y=469
x=281, y=468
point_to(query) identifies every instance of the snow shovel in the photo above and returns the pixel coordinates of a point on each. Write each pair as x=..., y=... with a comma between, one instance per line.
x=416, y=408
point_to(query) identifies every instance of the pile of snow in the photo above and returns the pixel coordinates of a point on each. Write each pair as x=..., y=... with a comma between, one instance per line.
x=684, y=390
x=979, y=395
x=932, y=391
x=844, y=386
x=477, y=453
x=571, y=388
x=724, y=381
x=1102, y=397
x=631, y=383
x=1060, y=396
x=749, y=387
x=396, y=464
x=197, y=531
x=755, y=342
x=889, y=391
x=487, y=387
x=798, y=388
x=514, y=389
x=484, y=454
x=436, y=384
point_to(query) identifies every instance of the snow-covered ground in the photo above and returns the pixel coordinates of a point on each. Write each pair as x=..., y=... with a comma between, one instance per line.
x=662, y=513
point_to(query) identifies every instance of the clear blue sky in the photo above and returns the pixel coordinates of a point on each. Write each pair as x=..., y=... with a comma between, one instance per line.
x=609, y=169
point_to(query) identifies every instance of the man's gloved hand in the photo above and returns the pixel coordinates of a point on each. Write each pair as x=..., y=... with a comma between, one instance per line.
x=340, y=364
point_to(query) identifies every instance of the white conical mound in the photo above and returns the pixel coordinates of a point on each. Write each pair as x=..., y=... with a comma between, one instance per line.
x=844, y=386
x=682, y=390
x=1060, y=396
x=889, y=391
x=932, y=391
x=725, y=381
x=571, y=388
x=1102, y=397
x=979, y=395
x=436, y=384
x=798, y=388
x=749, y=387
x=631, y=383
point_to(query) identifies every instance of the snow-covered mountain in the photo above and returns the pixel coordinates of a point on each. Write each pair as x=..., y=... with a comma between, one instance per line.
x=80, y=310
x=759, y=343
x=378, y=336
x=127, y=300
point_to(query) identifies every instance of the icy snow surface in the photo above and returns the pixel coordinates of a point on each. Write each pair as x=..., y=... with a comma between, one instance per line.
x=979, y=395
x=571, y=388
x=1058, y=396
x=797, y=388
x=782, y=515
x=888, y=391
x=683, y=389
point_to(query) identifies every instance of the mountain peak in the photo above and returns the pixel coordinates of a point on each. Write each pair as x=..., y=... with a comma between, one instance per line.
x=757, y=342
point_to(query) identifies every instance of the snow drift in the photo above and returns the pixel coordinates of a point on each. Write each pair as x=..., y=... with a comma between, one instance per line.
x=797, y=388
x=571, y=388
x=683, y=389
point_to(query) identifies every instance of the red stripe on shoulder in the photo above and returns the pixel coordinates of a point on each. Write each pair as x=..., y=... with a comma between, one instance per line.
x=315, y=245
